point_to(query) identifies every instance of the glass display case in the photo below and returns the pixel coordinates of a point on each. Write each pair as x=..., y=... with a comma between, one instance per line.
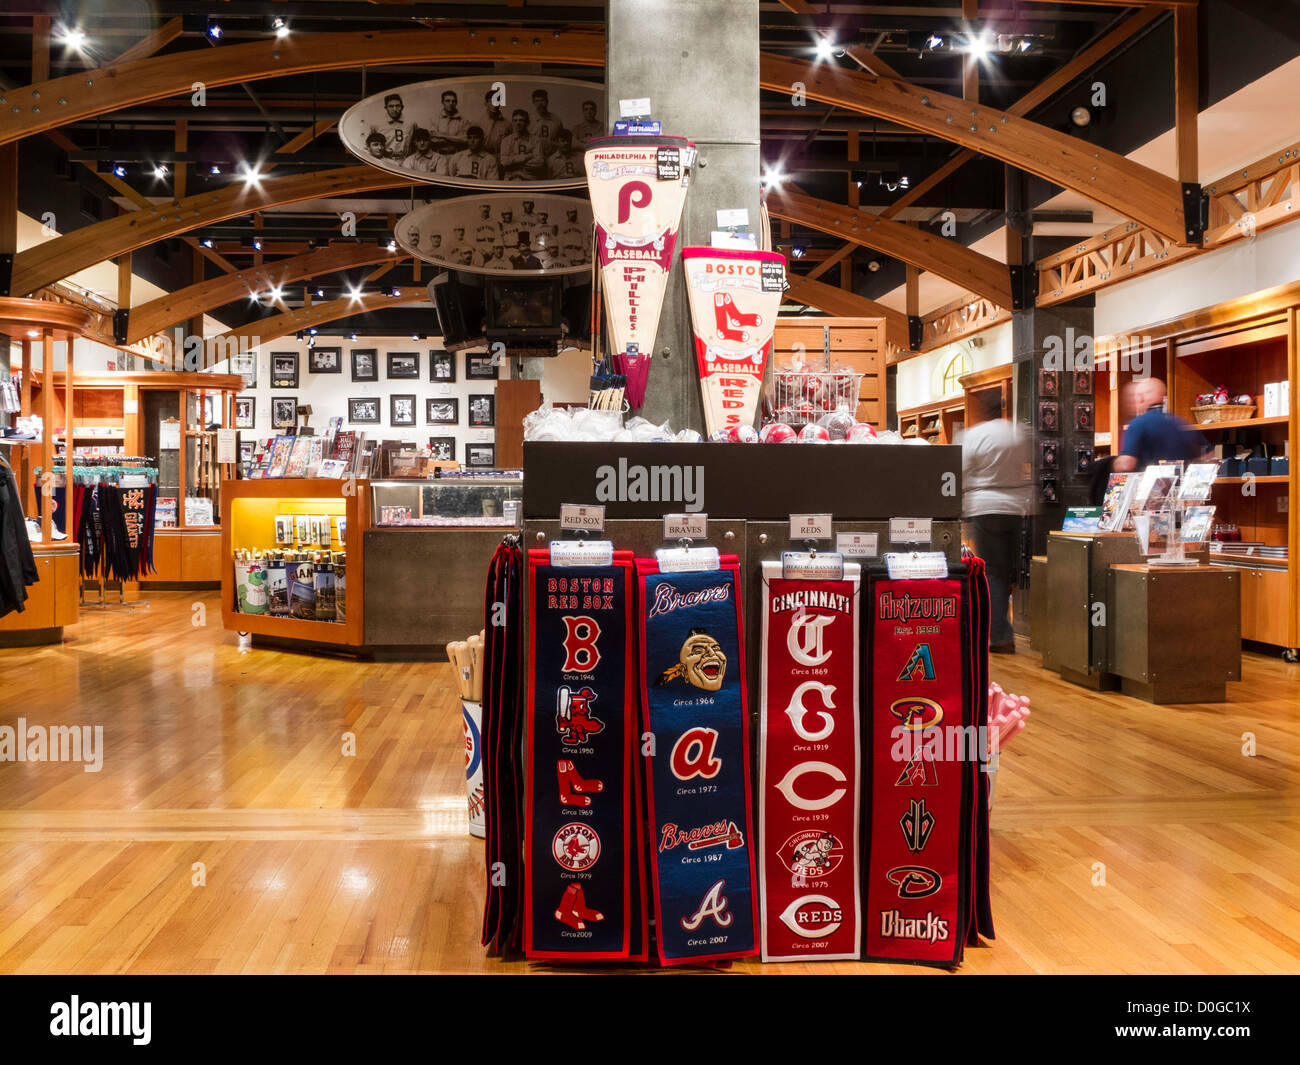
x=477, y=501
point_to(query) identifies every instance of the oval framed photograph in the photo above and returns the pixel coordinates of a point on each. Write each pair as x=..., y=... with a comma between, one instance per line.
x=494, y=131
x=521, y=233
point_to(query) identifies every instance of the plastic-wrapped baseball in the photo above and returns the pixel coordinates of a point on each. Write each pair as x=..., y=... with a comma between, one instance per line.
x=777, y=433
x=814, y=434
x=860, y=433
x=720, y=436
x=837, y=423
x=742, y=434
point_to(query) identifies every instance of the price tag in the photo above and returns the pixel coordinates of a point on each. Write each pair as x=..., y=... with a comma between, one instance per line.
x=909, y=530
x=810, y=526
x=668, y=163
x=687, y=559
x=686, y=527
x=806, y=566
x=582, y=552
x=773, y=276
x=733, y=218
x=917, y=565
x=587, y=518
x=858, y=544
x=635, y=108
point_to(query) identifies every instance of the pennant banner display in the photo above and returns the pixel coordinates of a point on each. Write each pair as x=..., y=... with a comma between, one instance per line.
x=693, y=701
x=735, y=297
x=472, y=722
x=638, y=186
x=809, y=768
x=580, y=735
x=924, y=754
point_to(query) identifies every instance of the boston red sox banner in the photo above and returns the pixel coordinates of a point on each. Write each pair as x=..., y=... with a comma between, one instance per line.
x=809, y=767
x=580, y=731
x=693, y=705
x=637, y=185
x=735, y=296
x=924, y=751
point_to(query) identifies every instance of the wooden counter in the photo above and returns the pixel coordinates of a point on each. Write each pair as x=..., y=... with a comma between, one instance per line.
x=51, y=601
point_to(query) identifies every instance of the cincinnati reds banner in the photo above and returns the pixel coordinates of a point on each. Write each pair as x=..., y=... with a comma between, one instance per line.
x=735, y=296
x=924, y=753
x=809, y=768
x=638, y=186
x=693, y=702
x=580, y=732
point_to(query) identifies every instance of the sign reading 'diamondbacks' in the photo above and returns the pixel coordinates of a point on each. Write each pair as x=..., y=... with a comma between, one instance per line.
x=491, y=131
x=733, y=311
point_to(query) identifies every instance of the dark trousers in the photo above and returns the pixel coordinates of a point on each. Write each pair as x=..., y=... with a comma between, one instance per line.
x=997, y=542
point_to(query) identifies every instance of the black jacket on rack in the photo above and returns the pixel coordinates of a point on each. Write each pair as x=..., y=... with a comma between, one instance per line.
x=17, y=565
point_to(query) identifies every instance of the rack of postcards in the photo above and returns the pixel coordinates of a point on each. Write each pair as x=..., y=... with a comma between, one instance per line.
x=303, y=577
x=1166, y=506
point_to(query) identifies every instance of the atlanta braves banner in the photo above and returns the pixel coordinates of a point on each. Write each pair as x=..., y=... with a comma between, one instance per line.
x=735, y=297
x=693, y=702
x=580, y=734
x=809, y=767
x=924, y=752
x=637, y=186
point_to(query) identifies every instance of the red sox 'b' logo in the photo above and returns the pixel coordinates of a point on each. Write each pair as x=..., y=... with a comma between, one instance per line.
x=693, y=754
x=580, y=654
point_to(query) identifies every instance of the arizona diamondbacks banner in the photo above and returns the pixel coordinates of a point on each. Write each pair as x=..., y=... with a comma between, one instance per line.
x=693, y=701
x=735, y=297
x=580, y=733
x=638, y=186
x=924, y=754
x=809, y=767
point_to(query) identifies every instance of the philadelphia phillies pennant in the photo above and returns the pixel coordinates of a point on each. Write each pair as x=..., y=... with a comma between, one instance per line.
x=735, y=296
x=697, y=762
x=580, y=732
x=638, y=186
x=809, y=767
x=924, y=751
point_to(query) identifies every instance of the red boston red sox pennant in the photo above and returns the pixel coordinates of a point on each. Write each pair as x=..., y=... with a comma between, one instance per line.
x=921, y=764
x=809, y=767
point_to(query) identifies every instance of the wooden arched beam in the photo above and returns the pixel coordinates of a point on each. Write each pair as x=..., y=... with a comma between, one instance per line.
x=65, y=255
x=946, y=258
x=844, y=304
x=193, y=300
x=1136, y=191
x=75, y=97
x=255, y=334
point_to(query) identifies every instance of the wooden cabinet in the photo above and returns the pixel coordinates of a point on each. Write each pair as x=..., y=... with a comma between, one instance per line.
x=51, y=601
x=1264, y=602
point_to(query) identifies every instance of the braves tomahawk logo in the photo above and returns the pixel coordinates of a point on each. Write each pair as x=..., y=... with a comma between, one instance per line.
x=714, y=905
x=574, y=720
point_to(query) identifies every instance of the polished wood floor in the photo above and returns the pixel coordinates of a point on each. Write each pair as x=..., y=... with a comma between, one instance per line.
x=314, y=862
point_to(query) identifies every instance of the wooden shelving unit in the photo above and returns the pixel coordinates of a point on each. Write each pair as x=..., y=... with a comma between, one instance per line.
x=937, y=422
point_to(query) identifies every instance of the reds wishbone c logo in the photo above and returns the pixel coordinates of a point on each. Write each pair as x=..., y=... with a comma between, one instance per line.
x=804, y=641
x=786, y=786
x=796, y=711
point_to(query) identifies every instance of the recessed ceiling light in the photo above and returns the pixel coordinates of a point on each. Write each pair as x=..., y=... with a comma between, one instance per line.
x=825, y=48
x=73, y=38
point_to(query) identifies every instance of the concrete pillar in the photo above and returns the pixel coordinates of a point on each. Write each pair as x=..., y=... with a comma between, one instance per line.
x=697, y=61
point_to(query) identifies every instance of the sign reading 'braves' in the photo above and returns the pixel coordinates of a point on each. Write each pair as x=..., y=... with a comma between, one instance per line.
x=809, y=766
x=577, y=872
x=694, y=704
x=735, y=296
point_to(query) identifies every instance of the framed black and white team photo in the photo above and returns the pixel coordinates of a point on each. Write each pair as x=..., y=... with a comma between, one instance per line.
x=325, y=360
x=442, y=448
x=245, y=364
x=284, y=369
x=480, y=456
x=403, y=365
x=365, y=364
x=245, y=412
x=483, y=411
x=442, y=367
x=284, y=412
x=442, y=411
x=363, y=411
x=401, y=410
x=481, y=367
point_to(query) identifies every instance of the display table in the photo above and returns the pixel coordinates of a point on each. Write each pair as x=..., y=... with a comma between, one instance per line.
x=51, y=601
x=1175, y=632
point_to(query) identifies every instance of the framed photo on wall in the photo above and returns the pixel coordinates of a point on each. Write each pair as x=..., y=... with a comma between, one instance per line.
x=365, y=364
x=483, y=411
x=1049, y=383
x=1049, y=416
x=363, y=410
x=245, y=412
x=480, y=456
x=247, y=450
x=284, y=369
x=1085, y=416
x=403, y=365
x=442, y=367
x=284, y=412
x=401, y=410
x=481, y=367
x=442, y=411
x=244, y=363
x=442, y=448
x=325, y=360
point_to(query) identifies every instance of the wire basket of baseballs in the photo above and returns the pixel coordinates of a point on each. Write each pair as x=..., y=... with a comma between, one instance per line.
x=801, y=397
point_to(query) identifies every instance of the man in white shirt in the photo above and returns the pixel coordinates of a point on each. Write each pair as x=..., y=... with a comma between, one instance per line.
x=495, y=124
x=588, y=127
x=546, y=125
x=521, y=155
x=448, y=128
x=474, y=162
x=423, y=158
x=996, y=469
x=396, y=129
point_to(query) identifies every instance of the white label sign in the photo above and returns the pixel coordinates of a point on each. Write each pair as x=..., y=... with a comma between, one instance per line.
x=686, y=527
x=810, y=526
x=582, y=552
x=917, y=565
x=226, y=451
x=588, y=518
x=807, y=566
x=687, y=559
x=858, y=544
x=638, y=108
x=510, y=509
x=909, y=530
x=733, y=218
